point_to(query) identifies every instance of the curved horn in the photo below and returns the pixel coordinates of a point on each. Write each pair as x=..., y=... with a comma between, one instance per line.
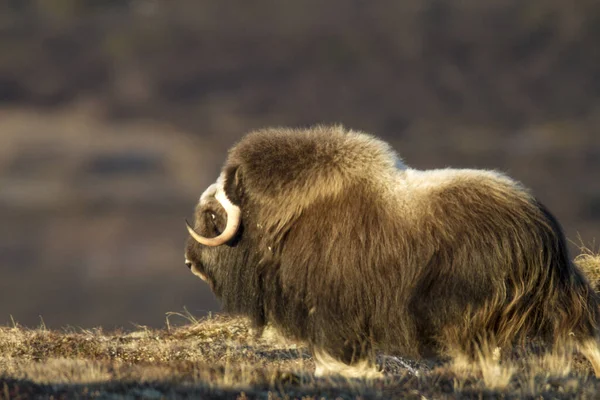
x=233, y=223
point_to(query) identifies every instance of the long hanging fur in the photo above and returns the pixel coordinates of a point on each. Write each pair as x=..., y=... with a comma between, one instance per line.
x=343, y=246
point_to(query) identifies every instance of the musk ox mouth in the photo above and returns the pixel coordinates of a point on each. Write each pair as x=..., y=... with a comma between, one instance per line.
x=199, y=274
x=196, y=271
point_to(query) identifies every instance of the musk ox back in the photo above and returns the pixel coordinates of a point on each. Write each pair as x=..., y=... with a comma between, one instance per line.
x=325, y=234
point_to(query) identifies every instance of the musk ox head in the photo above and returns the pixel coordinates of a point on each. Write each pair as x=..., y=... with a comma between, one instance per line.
x=325, y=234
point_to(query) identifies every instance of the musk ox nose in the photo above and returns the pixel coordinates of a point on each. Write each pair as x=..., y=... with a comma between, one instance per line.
x=188, y=264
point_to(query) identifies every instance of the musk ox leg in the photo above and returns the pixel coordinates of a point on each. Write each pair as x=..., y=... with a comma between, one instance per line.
x=329, y=365
x=590, y=350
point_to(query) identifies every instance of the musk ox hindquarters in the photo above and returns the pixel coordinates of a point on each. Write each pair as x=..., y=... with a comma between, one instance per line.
x=325, y=234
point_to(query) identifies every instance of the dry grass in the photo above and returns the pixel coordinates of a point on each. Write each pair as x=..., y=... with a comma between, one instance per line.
x=589, y=262
x=221, y=357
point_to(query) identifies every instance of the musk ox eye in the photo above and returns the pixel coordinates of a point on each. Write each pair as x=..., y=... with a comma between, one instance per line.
x=214, y=221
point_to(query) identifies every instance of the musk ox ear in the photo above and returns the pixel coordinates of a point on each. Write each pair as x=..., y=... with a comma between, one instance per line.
x=234, y=188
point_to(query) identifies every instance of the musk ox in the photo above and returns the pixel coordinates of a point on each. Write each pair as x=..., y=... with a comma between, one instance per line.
x=326, y=235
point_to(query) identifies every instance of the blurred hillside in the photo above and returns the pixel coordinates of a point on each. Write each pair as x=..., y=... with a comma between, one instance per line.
x=115, y=114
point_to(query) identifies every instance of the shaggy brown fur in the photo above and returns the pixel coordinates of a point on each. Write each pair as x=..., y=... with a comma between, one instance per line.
x=344, y=247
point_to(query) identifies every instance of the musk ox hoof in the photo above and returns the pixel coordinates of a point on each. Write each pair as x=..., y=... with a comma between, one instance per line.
x=326, y=365
x=274, y=336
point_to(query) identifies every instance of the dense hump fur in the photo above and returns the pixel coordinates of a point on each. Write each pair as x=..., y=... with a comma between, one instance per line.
x=344, y=247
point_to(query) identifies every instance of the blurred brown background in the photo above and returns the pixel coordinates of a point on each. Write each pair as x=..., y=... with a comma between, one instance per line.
x=115, y=115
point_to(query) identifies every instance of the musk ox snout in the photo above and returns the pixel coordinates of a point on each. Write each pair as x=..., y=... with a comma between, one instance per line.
x=328, y=237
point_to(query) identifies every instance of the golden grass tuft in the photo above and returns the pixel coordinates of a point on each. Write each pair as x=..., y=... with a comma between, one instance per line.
x=589, y=263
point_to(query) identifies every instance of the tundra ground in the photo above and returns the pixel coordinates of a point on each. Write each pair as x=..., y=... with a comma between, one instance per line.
x=221, y=356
